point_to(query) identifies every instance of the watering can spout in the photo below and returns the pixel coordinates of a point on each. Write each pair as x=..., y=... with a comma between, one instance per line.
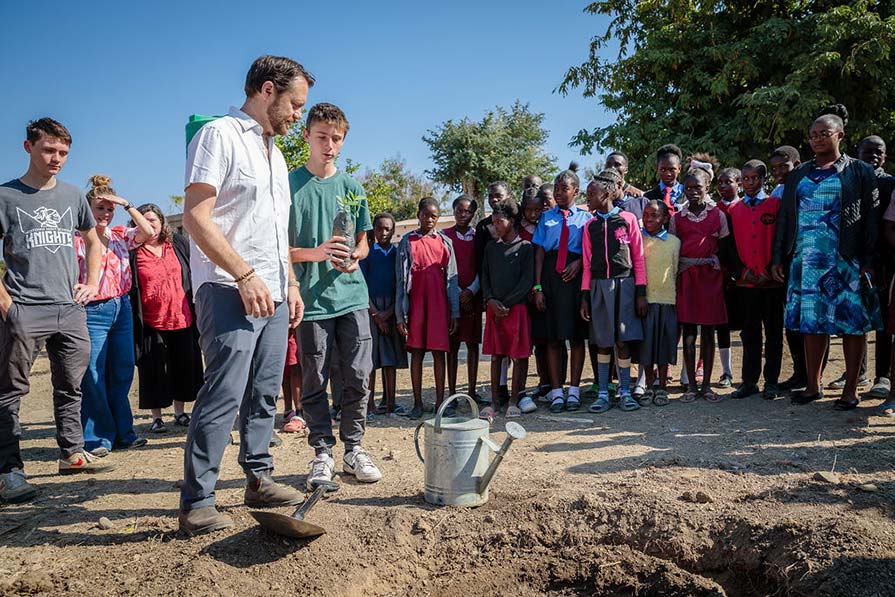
x=514, y=431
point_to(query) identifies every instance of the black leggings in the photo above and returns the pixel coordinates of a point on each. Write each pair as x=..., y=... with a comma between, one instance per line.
x=723, y=336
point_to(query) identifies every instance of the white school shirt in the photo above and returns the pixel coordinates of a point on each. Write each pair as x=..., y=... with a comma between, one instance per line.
x=252, y=207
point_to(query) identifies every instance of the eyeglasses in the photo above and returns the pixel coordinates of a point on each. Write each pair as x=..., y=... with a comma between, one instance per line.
x=822, y=135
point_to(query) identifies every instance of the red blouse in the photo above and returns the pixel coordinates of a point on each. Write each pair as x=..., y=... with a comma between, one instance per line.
x=164, y=302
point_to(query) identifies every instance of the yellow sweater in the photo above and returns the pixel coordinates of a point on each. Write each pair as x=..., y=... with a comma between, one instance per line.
x=661, y=268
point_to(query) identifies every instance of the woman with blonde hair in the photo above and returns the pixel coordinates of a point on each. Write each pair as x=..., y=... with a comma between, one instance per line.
x=105, y=411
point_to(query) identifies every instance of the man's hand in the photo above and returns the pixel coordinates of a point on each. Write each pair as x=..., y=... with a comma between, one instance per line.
x=256, y=297
x=466, y=296
x=572, y=270
x=777, y=273
x=84, y=293
x=5, y=305
x=402, y=329
x=642, y=307
x=333, y=250
x=540, y=300
x=296, y=307
x=337, y=263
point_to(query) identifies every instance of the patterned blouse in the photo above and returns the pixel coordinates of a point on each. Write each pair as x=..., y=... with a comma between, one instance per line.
x=115, y=270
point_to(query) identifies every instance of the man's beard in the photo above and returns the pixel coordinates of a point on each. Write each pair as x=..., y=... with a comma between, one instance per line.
x=279, y=121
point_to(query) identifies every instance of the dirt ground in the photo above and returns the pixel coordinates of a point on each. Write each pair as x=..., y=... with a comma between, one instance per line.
x=689, y=499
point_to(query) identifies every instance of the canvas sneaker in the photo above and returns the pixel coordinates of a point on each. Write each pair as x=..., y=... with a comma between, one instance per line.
x=15, y=488
x=323, y=467
x=527, y=405
x=83, y=462
x=357, y=462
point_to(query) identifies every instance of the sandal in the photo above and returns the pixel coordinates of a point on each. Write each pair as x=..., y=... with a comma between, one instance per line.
x=627, y=403
x=601, y=404
x=182, y=419
x=158, y=426
x=645, y=398
x=711, y=396
x=416, y=412
x=841, y=404
x=688, y=397
x=660, y=398
x=487, y=414
x=400, y=411
x=381, y=408
x=573, y=403
x=294, y=424
x=514, y=412
x=558, y=405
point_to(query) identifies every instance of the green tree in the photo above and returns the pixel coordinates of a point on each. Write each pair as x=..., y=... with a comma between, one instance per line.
x=734, y=78
x=505, y=145
x=294, y=147
x=394, y=188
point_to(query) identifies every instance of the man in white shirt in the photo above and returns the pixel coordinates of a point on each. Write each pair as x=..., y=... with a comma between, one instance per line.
x=237, y=213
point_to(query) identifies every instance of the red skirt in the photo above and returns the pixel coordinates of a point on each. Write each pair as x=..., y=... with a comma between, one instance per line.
x=511, y=337
x=291, y=351
x=429, y=311
x=700, y=296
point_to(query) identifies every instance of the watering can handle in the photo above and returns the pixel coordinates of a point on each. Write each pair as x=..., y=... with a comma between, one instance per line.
x=472, y=406
x=416, y=441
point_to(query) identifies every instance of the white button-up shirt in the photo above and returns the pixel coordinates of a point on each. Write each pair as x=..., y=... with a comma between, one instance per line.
x=252, y=207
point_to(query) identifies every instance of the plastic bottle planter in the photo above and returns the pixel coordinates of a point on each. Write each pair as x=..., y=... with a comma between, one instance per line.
x=343, y=223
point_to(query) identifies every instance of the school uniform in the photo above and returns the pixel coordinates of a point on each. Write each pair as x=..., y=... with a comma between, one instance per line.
x=633, y=205
x=660, y=257
x=379, y=272
x=507, y=276
x=469, y=329
x=752, y=224
x=613, y=277
x=672, y=196
x=563, y=319
x=700, y=278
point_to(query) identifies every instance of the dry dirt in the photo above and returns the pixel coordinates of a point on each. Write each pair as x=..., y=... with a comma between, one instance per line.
x=689, y=499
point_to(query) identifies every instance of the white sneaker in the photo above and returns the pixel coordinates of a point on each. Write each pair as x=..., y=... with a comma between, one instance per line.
x=358, y=463
x=323, y=467
x=15, y=488
x=527, y=405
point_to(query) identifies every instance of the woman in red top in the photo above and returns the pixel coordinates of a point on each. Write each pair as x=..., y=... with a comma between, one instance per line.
x=469, y=331
x=165, y=335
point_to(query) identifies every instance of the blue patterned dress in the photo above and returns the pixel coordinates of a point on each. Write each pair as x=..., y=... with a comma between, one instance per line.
x=824, y=292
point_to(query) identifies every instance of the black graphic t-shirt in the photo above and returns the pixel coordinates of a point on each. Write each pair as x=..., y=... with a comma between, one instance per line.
x=37, y=228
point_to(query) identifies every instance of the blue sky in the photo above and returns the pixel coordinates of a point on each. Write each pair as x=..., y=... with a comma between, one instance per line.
x=124, y=77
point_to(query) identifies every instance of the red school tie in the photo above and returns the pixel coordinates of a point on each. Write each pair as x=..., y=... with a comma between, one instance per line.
x=563, y=242
x=668, y=200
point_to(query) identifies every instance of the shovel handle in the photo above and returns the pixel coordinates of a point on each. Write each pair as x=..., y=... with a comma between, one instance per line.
x=302, y=510
x=416, y=442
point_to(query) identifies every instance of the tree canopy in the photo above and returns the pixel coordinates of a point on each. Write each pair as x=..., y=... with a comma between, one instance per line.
x=505, y=145
x=734, y=78
x=393, y=188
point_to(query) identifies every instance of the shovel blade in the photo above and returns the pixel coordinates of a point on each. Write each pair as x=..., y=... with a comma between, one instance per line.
x=287, y=526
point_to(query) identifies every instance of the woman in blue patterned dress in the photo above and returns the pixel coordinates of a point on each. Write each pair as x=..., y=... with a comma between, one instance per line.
x=826, y=233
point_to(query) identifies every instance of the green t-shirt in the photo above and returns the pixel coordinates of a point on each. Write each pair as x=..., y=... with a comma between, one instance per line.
x=326, y=291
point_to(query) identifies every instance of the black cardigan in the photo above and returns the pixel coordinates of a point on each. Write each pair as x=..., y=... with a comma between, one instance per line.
x=182, y=250
x=858, y=223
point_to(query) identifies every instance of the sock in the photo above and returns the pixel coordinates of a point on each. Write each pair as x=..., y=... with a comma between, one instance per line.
x=575, y=391
x=641, y=378
x=725, y=360
x=624, y=376
x=603, y=371
x=554, y=394
x=504, y=367
x=685, y=381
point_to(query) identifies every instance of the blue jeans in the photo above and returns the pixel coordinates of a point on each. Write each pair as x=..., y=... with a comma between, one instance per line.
x=105, y=410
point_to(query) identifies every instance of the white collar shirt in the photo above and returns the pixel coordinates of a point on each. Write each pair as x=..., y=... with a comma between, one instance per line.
x=251, y=179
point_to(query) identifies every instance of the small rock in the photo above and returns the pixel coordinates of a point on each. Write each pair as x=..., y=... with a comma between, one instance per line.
x=826, y=477
x=105, y=524
x=392, y=455
x=697, y=497
x=489, y=518
x=91, y=481
x=868, y=487
x=421, y=526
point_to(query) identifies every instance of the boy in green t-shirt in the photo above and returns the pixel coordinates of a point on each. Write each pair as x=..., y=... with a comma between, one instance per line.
x=335, y=296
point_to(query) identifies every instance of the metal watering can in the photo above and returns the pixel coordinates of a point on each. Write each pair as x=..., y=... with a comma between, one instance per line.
x=458, y=456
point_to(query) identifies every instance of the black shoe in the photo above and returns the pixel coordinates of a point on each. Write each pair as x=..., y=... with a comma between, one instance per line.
x=792, y=384
x=771, y=391
x=744, y=391
x=805, y=397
